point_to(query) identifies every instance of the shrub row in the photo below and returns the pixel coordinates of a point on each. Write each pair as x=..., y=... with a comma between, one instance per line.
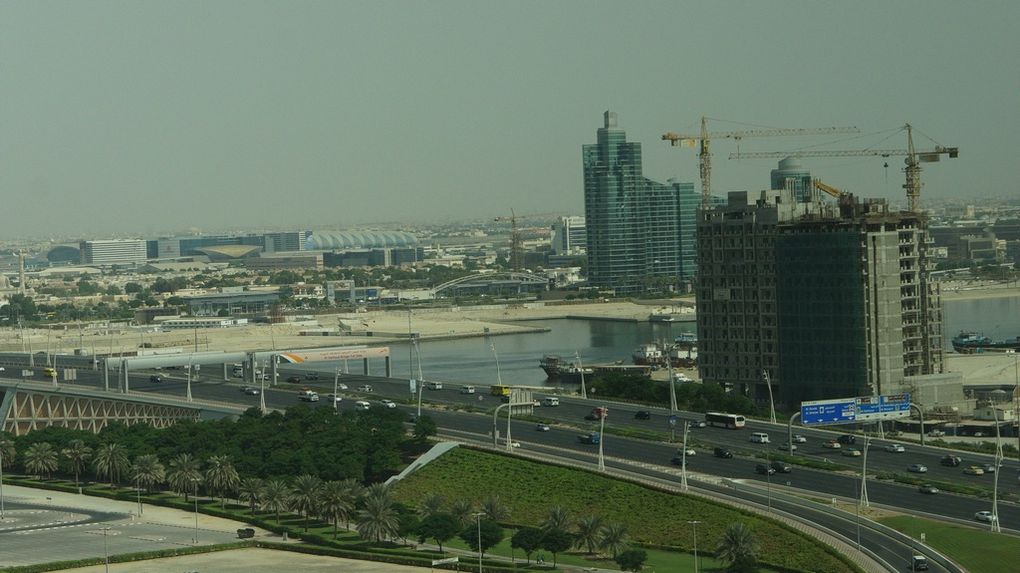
x=126, y=557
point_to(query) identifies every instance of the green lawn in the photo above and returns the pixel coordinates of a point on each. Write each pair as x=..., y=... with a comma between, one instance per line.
x=977, y=550
x=652, y=517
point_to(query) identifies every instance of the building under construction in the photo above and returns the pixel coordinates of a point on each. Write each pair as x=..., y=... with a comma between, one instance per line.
x=825, y=299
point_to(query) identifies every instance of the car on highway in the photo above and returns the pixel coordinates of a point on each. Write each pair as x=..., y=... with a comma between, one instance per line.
x=2, y=369
x=989, y=468
x=156, y=379
x=918, y=563
x=985, y=516
x=895, y=448
x=787, y=447
x=847, y=439
x=781, y=467
x=832, y=445
x=799, y=439
x=542, y=427
x=696, y=423
x=935, y=434
x=250, y=390
x=973, y=471
x=362, y=406
x=334, y=398
x=917, y=468
x=467, y=389
x=951, y=461
x=365, y=388
x=513, y=443
x=388, y=403
x=722, y=453
x=311, y=375
x=681, y=378
x=690, y=452
x=764, y=469
x=642, y=415
x=341, y=386
x=308, y=396
x=928, y=489
x=852, y=453
x=294, y=379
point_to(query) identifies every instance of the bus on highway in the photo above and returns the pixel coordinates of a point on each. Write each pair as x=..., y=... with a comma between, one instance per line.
x=731, y=421
x=499, y=390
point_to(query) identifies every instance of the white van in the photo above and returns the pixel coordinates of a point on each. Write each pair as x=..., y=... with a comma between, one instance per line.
x=759, y=438
x=550, y=401
x=434, y=385
x=467, y=389
x=362, y=405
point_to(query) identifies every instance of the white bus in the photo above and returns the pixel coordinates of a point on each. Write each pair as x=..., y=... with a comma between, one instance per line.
x=722, y=420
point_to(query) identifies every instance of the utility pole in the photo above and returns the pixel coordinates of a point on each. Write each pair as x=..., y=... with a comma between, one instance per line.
x=864, y=474
x=602, y=438
x=996, y=528
x=580, y=367
x=683, y=459
x=772, y=403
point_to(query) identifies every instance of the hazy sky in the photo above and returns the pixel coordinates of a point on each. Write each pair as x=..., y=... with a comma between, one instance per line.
x=142, y=116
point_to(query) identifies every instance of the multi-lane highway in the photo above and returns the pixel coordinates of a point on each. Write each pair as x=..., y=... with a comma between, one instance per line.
x=567, y=421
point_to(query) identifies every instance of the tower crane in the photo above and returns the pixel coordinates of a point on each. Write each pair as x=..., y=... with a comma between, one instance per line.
x=516, y=254
x=913, y=160
x=703, y=141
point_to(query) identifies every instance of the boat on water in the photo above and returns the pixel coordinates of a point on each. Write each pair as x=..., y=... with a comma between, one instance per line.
x=687, y=339
x=674, y=314
x=648, y=354
x=655, y=355
x=971, y=342
x=566, y=372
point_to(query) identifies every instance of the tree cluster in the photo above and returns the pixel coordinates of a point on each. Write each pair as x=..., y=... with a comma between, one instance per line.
x=694, y=397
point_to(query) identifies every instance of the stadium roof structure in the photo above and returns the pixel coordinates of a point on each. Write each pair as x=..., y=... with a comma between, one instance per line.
x=227, y=252
x=330, y=240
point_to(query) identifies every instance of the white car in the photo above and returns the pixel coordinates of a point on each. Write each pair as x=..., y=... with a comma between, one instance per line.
x=341, y=386
x=365, y=388
x=333, y=398
x=985, y=516
x=895, y=448
x=388, y=403
x=917, y=468
x=513, y=443
x=799, y=439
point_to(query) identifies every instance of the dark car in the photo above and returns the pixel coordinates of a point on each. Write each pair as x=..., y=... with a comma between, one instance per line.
x=722, y=453
x=764, y=469
x=643, y=415
x=679, y=460
x=245, y=533
x=294, y=379
x=311, y=375
x=951, y=461
x=928, y=489
x=781, y=467
x=156, y=379
x=847, y=439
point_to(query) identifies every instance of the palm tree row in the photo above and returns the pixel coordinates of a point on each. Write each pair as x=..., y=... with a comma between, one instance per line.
x=590, y=532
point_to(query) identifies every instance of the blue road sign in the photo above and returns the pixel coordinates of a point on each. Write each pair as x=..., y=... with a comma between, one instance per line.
x=820, y=412
x=885, y=407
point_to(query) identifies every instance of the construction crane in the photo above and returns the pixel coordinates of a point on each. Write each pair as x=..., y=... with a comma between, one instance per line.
x=828, y=189
x=516, y=248
x=914, y=158
x=703, y=140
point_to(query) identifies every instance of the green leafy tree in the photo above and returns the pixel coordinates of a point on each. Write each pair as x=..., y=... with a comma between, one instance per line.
x=132, y=288
x=614, y=539
x=588, y=533
x=556, y=518
x=40, y=459
x=335, y=503
x=185, y=474
x=424, y=428
x=7, y=452
x=77, y=455
x=487, y=532
x=440, y=527
x=221, y=477
x=738, y=549
x=408, y=525
x=632, y=559
x=111, y=461
x=251, y=490
x=147, y=471
x=557, y=541
x=527, y=539
x=378, y=519
x=305, y=496
x=494, y=509
x=430, y=504
x=276, y=497
x=19, y=307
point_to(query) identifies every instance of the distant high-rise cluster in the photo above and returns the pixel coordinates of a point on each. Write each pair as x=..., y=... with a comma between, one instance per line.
x=640, y=233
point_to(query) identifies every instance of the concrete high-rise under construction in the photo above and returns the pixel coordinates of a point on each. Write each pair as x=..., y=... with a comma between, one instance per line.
x=831, y=300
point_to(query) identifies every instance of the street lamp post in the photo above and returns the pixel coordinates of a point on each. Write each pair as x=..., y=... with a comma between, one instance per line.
x=336, y=383
x=580, y=368
x=695, y=523
x=602, y=438
x=998, y=465
x=194, y=482
x=683, y=459
x=478, y=521
x=138, y=494
x=106, y=550
x=1, y=483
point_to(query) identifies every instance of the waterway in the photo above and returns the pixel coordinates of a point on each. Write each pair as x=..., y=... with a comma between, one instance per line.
x=473, y=360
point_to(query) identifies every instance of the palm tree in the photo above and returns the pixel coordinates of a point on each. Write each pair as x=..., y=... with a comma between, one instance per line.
x=494, y=509
x=305, y=497
x=185, y=474
x=40, y=459
x=77, y=454
x=378, y=519
x=7, y=452
x=355, y=491
x=614, y=538
x=147, y=471
x=588, y=532
x=111, y=461
x=557, y=518
x=251, y=490
x=430, y=504
x=221, y=477
x=335, y=503
x=377, y=490
x=276, y=497
x=462, y=509
x=738, y=547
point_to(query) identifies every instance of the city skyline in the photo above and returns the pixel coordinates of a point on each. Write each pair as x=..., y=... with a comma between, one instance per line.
x=134, y=119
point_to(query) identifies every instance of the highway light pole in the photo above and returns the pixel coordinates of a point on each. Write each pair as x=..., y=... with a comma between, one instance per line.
x=106, y=550
x=864, y=473
x=336, y=383
x=602, y=438
x=995, y=527
x=683, y=459
x=695, y=523
x=478, y=521
x=189, y=381
x=194, y=482
x=580, y=368
x=1, y=483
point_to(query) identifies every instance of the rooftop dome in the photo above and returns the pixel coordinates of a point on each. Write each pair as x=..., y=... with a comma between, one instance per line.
x=791, y=164
x=330, y=240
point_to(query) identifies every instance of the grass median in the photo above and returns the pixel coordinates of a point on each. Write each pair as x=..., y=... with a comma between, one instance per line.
x=978, y=551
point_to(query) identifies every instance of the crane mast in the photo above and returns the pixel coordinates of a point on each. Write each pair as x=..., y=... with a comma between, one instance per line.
x=704, y=141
